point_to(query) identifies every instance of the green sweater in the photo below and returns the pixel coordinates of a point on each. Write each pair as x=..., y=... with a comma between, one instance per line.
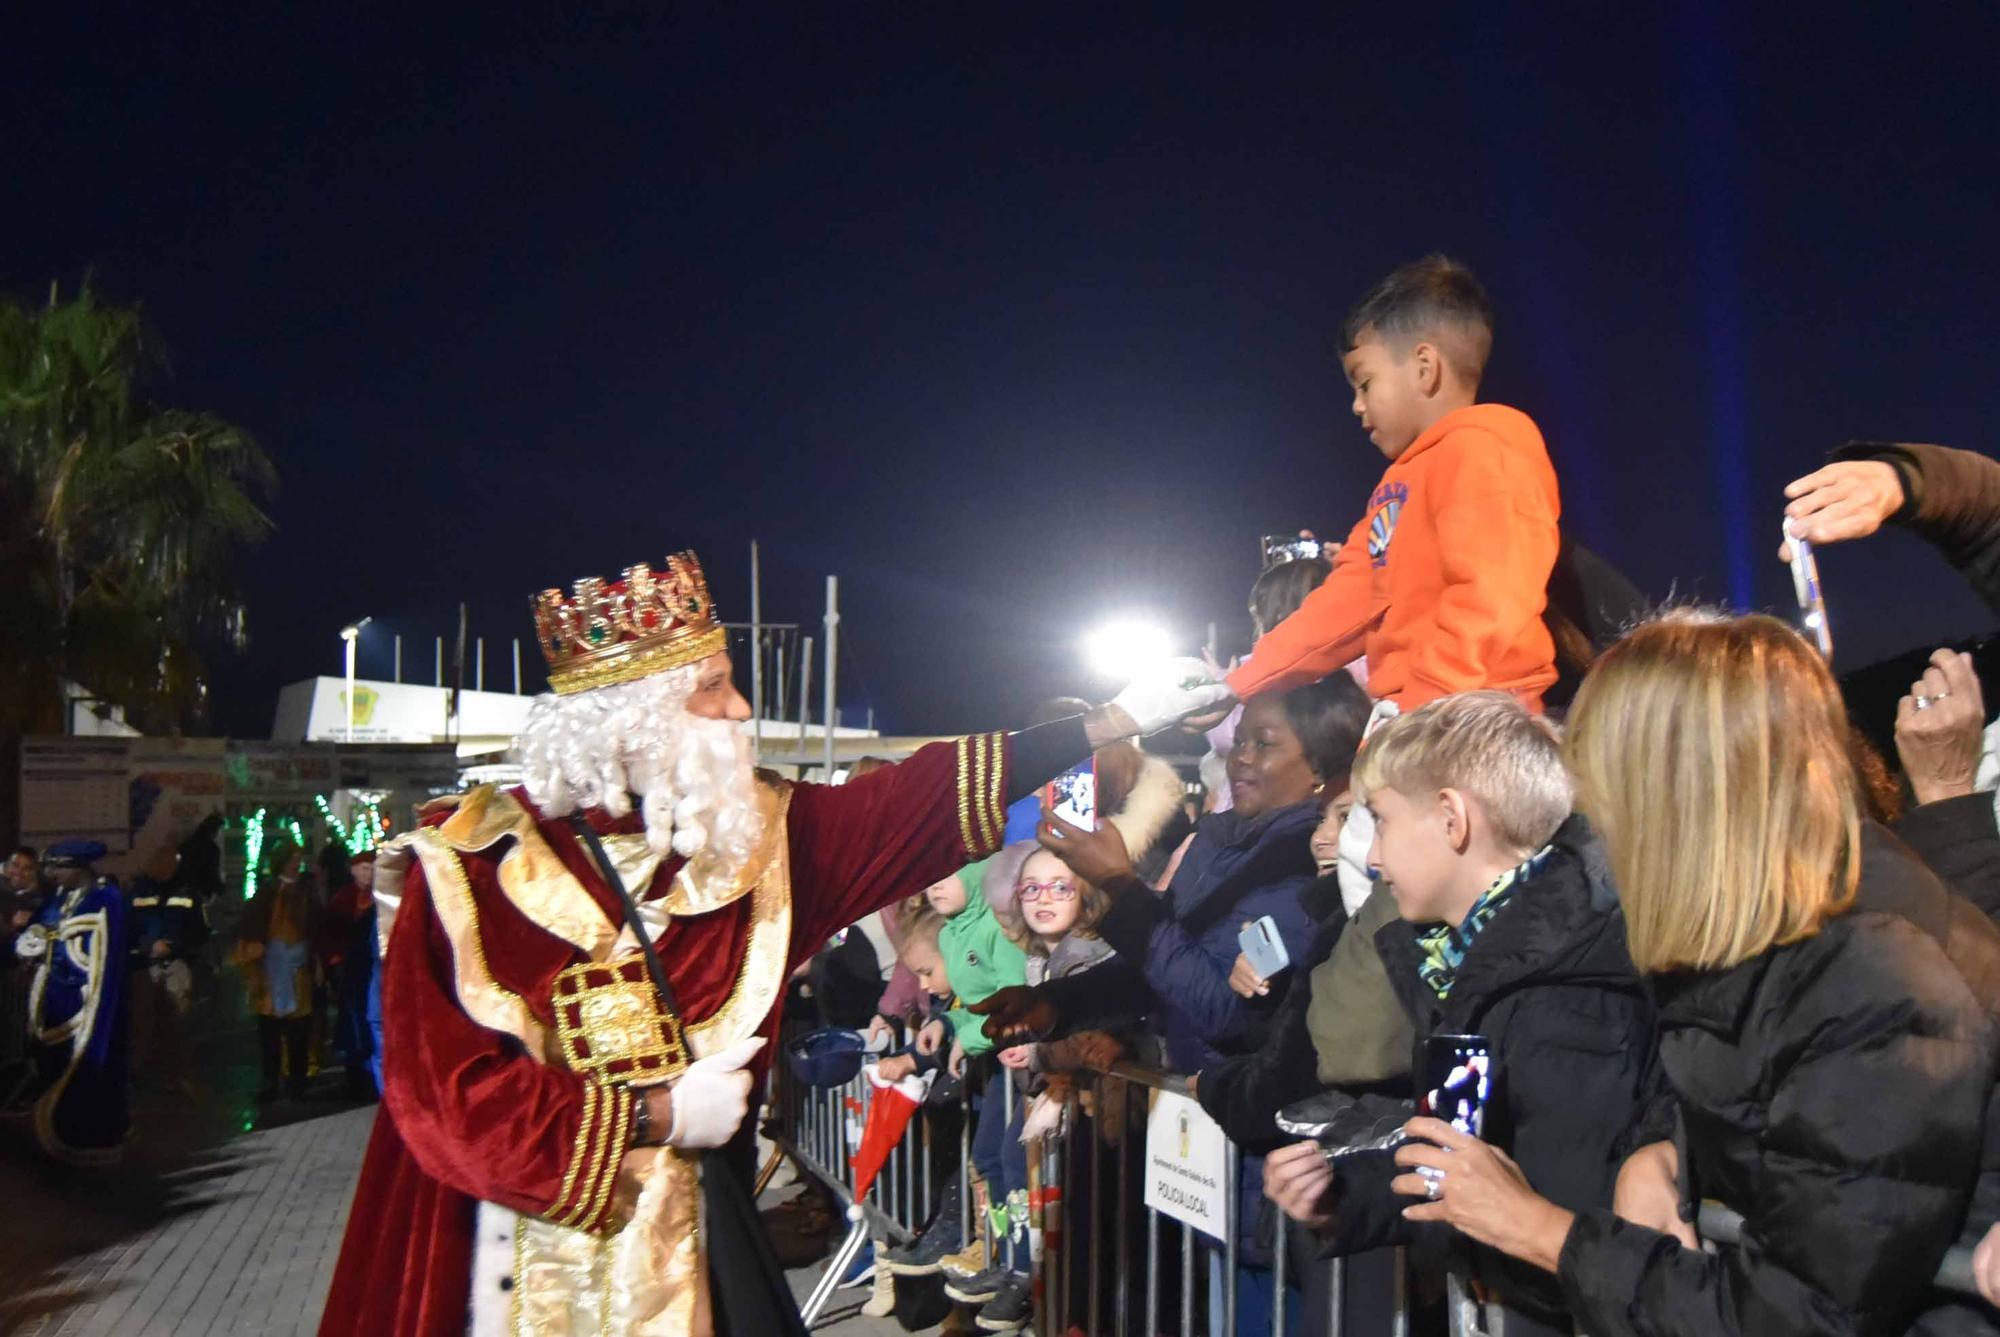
x=979, y=959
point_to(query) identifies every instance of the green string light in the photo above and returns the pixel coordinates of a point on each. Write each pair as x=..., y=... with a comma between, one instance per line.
x=253, y=851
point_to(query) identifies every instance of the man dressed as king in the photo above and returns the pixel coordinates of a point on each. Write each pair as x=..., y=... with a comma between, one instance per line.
x=545, y=1160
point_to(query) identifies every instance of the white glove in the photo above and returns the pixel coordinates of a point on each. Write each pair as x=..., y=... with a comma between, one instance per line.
x=1044, y=1116
x=1166, y=693
x=712, y=1096
x=34, y=940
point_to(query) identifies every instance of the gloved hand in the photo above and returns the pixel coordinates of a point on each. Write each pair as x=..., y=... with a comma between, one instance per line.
x=712, y=1096
x=1166, y=693
x=1044, y=1116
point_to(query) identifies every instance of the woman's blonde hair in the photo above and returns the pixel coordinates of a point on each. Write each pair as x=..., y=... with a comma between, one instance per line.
x=1711, y=754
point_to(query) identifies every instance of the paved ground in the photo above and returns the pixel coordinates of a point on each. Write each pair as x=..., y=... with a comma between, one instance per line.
x=209, y=1229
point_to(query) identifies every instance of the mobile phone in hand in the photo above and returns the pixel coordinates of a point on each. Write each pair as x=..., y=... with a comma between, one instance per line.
x=1806, y=589
x=1458, y=1081
x=1072, y=796
x=1263, y=948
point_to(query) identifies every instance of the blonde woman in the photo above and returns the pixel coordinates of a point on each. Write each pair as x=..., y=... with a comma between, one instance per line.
x=1826, y=1013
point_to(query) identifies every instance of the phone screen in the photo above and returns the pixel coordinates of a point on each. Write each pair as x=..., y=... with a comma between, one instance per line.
x=1458, y=1081
x=1806, y=588
x=1072, y=796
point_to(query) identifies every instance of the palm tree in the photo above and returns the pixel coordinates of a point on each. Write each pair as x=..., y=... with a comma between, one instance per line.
x=120, y=521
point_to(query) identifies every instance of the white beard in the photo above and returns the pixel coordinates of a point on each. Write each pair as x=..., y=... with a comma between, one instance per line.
x=693, y=776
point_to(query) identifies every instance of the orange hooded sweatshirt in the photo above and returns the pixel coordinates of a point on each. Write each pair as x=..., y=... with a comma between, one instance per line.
x=1442, y=583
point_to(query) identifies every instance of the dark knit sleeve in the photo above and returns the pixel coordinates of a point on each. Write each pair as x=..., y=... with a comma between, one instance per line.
x=1951, y=500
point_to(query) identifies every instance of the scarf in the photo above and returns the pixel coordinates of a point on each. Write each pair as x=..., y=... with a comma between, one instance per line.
x=1444, y=947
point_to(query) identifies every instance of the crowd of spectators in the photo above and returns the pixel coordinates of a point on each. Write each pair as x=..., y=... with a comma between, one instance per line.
x=1591, y=914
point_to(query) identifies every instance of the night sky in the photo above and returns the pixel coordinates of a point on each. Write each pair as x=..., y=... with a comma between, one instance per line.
x=1012, y=318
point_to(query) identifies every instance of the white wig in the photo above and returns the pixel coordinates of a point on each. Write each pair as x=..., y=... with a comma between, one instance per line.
x=595, y=749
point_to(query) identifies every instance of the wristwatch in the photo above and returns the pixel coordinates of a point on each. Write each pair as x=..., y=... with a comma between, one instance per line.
x=642, y=1121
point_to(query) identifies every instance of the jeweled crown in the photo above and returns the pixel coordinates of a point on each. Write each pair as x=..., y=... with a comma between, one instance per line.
x=624, y=630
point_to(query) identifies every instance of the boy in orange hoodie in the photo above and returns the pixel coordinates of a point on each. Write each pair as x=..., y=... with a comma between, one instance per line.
x=1442, y=582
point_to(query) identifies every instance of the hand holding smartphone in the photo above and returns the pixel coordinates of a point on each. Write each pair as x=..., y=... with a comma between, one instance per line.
x=1072, y=796
x=1263, y=948
x=1458, y=1081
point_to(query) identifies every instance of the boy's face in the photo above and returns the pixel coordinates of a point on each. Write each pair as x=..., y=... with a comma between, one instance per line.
x=927, y=965
x=1415, y=853
x=946, y=897
x=1389, y=390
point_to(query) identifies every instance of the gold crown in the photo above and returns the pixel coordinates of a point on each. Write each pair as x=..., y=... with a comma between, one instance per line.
x=624, y=630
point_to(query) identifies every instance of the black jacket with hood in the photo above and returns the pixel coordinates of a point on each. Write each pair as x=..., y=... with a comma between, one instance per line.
x=1834, y=1091
x=1550, y=985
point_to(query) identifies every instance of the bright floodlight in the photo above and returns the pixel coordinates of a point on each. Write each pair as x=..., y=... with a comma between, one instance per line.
x=352, y=630
x=1118, y=651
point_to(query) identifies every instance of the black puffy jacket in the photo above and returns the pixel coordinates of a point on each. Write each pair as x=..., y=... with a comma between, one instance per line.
x=1550, y=985
x=1833, y=1091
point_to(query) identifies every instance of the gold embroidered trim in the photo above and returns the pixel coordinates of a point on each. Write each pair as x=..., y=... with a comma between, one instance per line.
x=620, y=1130
x=963, y=752
x=534, y=879
x=612, y=1024
x=577, y=1153
x=996, y=807
x=982, y=812
x=766, y=947
x=604, y=1146
x=485, y=999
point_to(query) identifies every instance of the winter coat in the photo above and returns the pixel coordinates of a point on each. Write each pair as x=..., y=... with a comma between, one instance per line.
x=1951, y=500
x=1959, y=840
x=1244, y=1092
x=1550, y=985
x=1236, y=870
x=979, y=959
x=1834, y=1091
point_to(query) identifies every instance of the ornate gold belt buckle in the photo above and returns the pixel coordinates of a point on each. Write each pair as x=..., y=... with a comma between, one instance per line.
x=612, y=1025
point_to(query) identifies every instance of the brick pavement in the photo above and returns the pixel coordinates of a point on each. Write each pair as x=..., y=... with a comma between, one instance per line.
x=239, y=1238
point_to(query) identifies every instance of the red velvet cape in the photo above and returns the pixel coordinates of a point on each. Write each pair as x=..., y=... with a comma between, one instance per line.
x=468, y=1116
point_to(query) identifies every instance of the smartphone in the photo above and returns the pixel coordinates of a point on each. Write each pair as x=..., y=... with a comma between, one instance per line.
x=1264, y=948
x=1276, y=548
x=1805, y=587
x=1458, y=1081
x=1072, y=796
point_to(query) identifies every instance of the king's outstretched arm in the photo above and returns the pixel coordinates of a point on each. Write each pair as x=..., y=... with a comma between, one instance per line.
x=889, y=834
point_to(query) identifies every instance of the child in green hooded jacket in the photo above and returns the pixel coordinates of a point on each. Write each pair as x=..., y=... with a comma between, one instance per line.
x=978, y=956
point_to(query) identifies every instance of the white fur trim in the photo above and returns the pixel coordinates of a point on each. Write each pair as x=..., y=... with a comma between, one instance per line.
x=1155, y=797
x=492, y=1264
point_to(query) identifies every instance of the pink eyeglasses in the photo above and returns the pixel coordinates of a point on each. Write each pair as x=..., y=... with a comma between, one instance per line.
x=1053, y=891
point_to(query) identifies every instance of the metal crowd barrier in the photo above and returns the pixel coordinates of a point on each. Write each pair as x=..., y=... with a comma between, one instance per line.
x=820, y=1130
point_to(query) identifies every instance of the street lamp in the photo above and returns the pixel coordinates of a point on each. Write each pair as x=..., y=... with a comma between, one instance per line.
x=1119, y=651
x=351, y=634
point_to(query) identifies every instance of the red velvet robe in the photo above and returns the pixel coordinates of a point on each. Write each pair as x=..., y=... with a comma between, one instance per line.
x=470, y=1116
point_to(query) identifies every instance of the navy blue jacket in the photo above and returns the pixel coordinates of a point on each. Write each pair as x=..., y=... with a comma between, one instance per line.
x=1236, y=870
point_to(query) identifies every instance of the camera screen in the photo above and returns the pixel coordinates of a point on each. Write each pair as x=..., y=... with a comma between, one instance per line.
x=1458, y=1081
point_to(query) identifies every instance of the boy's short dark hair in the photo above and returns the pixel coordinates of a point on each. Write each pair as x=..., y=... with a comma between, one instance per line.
x=33, y=855
x=1436, y=298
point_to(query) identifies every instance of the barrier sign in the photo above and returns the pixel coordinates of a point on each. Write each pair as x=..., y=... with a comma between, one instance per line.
x=1186, y=1156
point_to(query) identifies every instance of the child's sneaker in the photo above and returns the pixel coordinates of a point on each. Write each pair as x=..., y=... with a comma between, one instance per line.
x=967, y=1262
x=862, y=1270
x=980, y=1288
x=923, y=1256
x=1012, y=1309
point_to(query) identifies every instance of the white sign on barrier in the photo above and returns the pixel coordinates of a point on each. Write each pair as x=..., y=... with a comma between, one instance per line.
x=1186, y=1160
